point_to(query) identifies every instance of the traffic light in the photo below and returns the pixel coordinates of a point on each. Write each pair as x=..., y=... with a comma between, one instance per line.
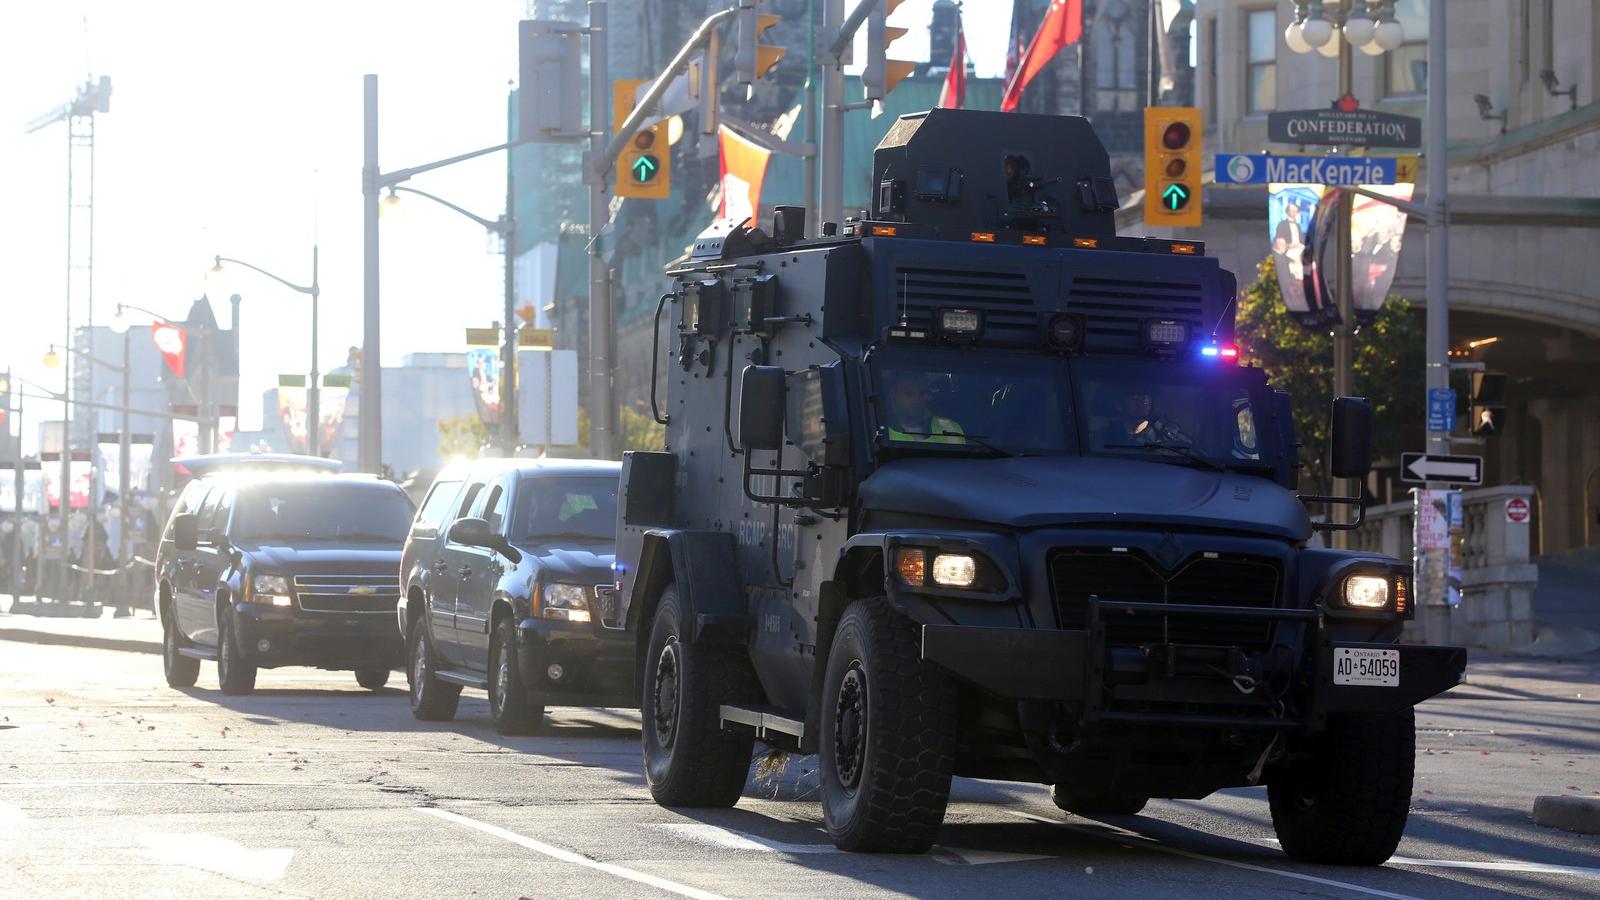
x=1172, y=164
x=644, y=167
x=1488, y=412
x=752, y=60
x=882, y=74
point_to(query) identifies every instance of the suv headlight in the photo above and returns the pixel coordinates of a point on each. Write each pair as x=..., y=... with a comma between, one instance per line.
x=565, y=602
x=272, y=590
x=1365, y=592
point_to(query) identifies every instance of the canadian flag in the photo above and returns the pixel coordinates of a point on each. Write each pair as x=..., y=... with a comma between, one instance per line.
x=954, y=93
x=744, y=168
x=1062, y=25
x=173, y=342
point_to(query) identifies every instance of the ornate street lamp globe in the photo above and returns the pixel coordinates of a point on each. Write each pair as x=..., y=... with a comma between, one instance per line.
x=1317, y=32
x=1359, y=31
x=1390, y=34
x=1294, y=39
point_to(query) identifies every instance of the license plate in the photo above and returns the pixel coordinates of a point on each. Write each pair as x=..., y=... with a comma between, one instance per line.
x=1364, y=666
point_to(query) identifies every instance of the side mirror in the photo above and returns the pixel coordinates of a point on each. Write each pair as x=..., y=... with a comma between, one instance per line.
x=761, y=396
x=1351, y=438
x=186, y=531
x=471, y=533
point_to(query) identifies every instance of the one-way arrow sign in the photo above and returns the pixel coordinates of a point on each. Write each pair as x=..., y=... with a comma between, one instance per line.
x=1421, y=467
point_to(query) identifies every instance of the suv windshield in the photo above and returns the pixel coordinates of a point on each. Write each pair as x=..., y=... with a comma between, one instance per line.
x=1172, y=412
x=577, y=506
x=1014, y=405
x=322, y=512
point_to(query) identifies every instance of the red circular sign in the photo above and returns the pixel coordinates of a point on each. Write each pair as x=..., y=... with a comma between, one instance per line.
x=1517, y=510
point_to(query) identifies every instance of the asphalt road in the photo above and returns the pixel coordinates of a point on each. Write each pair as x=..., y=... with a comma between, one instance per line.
x=112, y=784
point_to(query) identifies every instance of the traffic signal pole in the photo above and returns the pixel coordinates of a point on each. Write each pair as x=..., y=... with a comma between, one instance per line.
x=1438, y=316
x=1344, y=333
x=602, y=389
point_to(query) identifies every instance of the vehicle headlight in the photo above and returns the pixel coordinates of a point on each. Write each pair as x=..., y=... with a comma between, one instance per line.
x=270, y=589
x=955, y=570
x=566, y=602
x=1366, y=592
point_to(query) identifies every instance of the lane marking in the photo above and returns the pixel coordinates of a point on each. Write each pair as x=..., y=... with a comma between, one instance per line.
x=1504, y=865
x=1122, y=835
x=568, y=856
x=213, y=853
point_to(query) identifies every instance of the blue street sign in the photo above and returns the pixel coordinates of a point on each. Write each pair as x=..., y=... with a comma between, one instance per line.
x=1263, y=168
x=1441, y=409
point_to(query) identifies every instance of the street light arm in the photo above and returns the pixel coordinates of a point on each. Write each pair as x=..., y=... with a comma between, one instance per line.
x=498, y=227
x=89, y=356
x=149, y=312
x=283, y=281
x=390, y=179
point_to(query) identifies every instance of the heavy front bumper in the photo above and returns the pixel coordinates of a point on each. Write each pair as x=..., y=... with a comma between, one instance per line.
x=595, y=668
x=272, y=637
x=1166, y=684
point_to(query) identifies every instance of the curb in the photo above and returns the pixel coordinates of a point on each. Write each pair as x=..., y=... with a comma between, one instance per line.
x=126, y=645
x=1577, y=814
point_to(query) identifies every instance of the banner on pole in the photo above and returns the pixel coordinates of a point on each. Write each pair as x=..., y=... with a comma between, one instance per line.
x=744, y=169
x=1292, y=228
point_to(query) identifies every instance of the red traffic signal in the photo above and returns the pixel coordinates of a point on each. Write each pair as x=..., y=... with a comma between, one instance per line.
x=1176, y=136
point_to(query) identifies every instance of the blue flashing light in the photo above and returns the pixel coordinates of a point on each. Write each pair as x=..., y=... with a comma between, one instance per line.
x=1209, y=351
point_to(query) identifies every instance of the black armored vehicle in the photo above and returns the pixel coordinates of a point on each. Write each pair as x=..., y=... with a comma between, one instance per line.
x=977, y=487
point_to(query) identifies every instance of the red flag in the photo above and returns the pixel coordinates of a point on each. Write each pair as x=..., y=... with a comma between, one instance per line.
x=744, y=167
x=173, y=343
x=1062, y=25
x=954, y=93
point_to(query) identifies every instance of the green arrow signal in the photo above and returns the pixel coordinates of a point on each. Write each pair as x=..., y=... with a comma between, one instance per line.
x=1175, y=197
x=644, y=169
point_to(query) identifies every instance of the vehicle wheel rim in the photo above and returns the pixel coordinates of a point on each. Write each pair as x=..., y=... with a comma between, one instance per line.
x=419, y=660
x=502, y=684
x=224, y=663
x=850, y=727
x=666, y=696
x=171, y=645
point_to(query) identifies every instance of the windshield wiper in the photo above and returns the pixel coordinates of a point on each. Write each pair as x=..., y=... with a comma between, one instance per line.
x=1183, y=450
x=367, y=536
x=978, y=439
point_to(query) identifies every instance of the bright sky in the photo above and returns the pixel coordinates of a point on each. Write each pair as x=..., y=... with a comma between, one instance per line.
x=235, y=128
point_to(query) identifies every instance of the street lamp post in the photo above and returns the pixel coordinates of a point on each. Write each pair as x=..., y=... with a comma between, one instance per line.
x=51, y=359
x=506, y=228
x=1348, y=26
x=314, y=390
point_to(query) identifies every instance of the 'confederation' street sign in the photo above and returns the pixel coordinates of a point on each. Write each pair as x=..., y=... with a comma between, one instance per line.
x=1358, y=127
x=1420, y=467
x=1263, y=168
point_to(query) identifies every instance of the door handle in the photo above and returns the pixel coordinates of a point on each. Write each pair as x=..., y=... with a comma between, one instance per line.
x=464, y=571
x=441, y=567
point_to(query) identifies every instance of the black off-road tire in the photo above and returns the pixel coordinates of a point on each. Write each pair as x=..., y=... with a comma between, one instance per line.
x=234, y=675
x=432, y=700
x=1348, y=805
x=181, y=671
x=689, y=760
x=888, y=736
x=372, y=679
x=1097, y=804
x=508, y=698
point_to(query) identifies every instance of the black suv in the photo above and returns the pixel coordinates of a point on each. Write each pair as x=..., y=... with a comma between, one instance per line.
x=508, y=580
x=260, y=571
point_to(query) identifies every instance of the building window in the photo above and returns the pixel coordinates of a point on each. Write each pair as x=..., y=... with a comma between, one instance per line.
x=1406, y=67
x=1115, y=51
x=1261, y=81
x=1209, y=36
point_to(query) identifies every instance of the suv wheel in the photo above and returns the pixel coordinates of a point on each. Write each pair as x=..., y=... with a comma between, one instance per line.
x=432, y=700
x=234, y=675
x=181, y=671
x=372, y=679
x=888, y=735
x=1347, y=805
x=508, y=697
x=689, y=759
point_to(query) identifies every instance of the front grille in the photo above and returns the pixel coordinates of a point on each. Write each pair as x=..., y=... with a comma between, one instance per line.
x=1004, y=298
x=1216, y=580
x=1114, y=307
x=347, y=593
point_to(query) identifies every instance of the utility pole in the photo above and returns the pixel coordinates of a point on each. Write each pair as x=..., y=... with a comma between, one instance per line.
x=1438, y=291
x=508, y=351
x=1344, y=332
x=602, y=399
x=370, y=440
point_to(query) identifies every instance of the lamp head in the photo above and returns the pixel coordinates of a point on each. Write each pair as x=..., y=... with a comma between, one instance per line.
x=1317, y=31
x=119, y=323
x=216, y=268
x=1548, y=76
x=1389, y=34
x=52, y=359
x=1294, y=37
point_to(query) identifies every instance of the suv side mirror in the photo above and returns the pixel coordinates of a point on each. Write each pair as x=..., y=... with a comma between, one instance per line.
x=186, y=531
x=761, y=405
x=1351, y=438
x=471, y=533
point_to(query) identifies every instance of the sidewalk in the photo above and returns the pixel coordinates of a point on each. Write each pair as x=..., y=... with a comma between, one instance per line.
x=140, y=633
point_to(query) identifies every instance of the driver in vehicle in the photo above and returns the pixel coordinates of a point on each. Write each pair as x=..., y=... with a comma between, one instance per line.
x=911, y=419
x=1139, y=424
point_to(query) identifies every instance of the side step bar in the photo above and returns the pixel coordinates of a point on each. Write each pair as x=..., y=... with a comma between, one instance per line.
x=463, y=679
x=766, y=720
x=198, y=653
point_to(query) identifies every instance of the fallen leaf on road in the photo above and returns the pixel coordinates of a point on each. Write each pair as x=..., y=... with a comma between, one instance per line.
x=197, y=765
x=296, y=769
x=50, y=700
x=149, y=728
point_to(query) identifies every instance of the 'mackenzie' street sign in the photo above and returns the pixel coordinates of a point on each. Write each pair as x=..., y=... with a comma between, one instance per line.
x=1261, y=168
x=1420, y=467
x=1357, y=127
